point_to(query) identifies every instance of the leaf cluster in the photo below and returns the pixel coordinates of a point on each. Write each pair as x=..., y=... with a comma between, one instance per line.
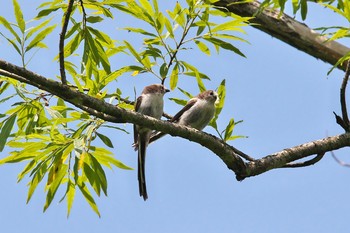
x=58, y=142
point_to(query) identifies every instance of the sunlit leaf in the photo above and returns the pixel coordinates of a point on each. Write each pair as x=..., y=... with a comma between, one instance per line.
x=6, y=130
x=174, y=77
x=19, y=16
x=41, y=36
x=229, y=129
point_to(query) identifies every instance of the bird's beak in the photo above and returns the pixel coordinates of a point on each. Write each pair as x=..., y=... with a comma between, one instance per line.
x=167, y=90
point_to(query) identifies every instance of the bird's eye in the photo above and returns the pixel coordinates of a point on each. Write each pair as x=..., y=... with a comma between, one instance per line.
x=211, y=93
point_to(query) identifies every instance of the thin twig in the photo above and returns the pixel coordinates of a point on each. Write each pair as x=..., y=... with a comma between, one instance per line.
x=242, y=154
x=306, y=163
x=339, y=161
x=61, y=42
x=342, y=97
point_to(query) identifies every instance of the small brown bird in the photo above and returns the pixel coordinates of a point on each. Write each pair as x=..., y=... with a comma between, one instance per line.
x=149, y=103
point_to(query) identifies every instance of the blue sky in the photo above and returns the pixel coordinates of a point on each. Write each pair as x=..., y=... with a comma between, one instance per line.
x=284, y=98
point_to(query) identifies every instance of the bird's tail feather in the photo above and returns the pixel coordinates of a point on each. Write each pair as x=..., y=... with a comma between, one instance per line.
x=141, y=168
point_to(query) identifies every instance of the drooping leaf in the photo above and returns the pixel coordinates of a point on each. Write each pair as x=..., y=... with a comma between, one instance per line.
x=105, y=140
x=6, y=130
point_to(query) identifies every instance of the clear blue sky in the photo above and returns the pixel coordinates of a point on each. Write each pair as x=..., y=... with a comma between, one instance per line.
x=284, y=98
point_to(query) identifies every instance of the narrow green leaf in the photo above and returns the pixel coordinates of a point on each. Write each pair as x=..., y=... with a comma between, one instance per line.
x=59, y=175
x=8, y=26
x=229, y=129
x=147, y=6
x=6, y=130
x=133, y=51
x=13, y=44
x=185, y=93
x=19, y=16
x=99, y=172
x=303, y=9
x=41, y=36
x=86, y=193
x=94, y=19
x=139, y=30
x=169, y=27
x=35, y=29
x=202, y=47
x=39, y=174
x=70, y=196
x=179, y=101
x=105, y=140
x=222, y=96
x=174, y=77
x=48, y=11
x=224, y=45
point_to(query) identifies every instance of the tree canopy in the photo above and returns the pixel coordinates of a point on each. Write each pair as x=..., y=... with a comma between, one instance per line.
x=54, y=124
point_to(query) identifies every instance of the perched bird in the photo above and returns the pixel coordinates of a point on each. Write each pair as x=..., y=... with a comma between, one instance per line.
x=197, y=113
x=149, y=103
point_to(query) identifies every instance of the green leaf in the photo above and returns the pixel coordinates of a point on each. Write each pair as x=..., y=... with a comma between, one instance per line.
x=222, y=96
x=202, y=47
x=303, y=9
x=48, y=11
x=185, y=93
x=224, y=45
x=179, y=101
x=40, y=171
x=105, y=140
x=94, y=19
x=59, y=175
x=41, y=36
x=13, y=44
x=197, y=75
x=87, y=195
x=229, y=129
x=133, y=51
x=147, y=6
x=70, y=195
x=174, y=77
x=140, y=30
x=105, y=157
x=73, y=44
x=19, y=16
x=33, y=30
x=6, y=130
x=163, y=70
x=8, y=26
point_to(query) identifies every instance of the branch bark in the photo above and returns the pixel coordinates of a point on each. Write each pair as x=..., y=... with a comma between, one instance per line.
x=228, y=154
x=288, y=30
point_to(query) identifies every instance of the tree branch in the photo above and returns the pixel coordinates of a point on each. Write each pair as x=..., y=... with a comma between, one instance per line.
x=61, y=42
x=228, y=154
x=285, y=28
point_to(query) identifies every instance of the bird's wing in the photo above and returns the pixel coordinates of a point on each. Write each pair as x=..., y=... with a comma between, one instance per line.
x=137, y=106
x=178, y=115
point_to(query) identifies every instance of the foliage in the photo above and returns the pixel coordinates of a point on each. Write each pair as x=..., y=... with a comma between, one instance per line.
x=57, y=141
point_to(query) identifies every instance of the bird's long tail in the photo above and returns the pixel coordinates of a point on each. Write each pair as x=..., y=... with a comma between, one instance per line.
x=141, y=167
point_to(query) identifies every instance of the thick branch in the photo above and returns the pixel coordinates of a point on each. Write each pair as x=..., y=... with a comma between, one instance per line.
x=292, y=32
x=112, y=113
x=228, y=154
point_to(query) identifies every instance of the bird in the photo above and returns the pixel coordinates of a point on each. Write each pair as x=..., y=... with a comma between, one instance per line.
x=149, y=103
x=197, y=113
